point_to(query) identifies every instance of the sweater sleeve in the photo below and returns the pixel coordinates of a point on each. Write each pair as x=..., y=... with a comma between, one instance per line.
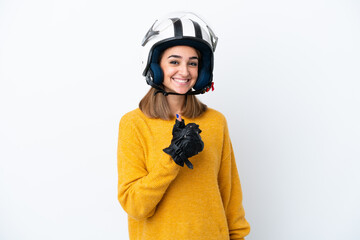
x=231, y=193
x=139, y=191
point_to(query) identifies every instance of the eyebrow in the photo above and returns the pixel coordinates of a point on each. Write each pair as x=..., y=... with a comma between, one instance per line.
x=177, y=56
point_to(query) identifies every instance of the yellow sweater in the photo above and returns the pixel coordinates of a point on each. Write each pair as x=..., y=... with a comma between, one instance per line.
x=167, y=202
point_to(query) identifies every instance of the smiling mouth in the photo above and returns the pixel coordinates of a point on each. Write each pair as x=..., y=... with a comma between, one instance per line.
x=179, y=80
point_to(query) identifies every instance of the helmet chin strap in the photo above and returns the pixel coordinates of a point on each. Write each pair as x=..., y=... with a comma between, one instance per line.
x=161, y=90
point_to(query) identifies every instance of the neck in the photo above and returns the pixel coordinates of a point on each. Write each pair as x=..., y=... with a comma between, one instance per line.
x=176, y=103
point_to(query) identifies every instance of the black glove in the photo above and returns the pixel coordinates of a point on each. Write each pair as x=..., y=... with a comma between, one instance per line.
x=186, y=143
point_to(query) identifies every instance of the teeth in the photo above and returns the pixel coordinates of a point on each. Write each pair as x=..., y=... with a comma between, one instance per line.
x=180, y=80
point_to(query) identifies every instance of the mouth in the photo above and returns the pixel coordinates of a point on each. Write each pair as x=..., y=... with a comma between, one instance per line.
x=180, y=80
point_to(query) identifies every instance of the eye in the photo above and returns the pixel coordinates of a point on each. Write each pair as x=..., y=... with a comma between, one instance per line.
x=174, y=62
x=194, y=64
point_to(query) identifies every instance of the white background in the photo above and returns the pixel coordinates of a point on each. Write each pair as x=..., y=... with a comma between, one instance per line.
x=286, y=77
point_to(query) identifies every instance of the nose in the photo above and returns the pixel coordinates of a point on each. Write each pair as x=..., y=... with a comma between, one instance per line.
x=183, y=70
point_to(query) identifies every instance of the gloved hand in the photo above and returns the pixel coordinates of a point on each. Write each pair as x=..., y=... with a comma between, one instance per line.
x=186, y=143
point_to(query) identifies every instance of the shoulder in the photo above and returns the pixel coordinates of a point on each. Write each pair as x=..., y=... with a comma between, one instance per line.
x=134, y=117
x=213, y=115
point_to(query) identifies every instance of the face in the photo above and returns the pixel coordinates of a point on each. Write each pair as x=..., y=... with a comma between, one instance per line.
x=180, y=68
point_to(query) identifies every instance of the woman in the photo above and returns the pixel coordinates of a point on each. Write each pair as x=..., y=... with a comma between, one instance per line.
x=165, y=195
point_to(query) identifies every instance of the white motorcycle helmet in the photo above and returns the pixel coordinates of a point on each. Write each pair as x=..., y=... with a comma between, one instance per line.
x=183, y=28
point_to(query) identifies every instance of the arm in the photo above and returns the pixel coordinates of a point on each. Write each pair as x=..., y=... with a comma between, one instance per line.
x=139, y=191
x=231, y=193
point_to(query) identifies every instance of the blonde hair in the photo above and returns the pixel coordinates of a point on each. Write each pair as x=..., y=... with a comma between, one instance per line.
x=156, y=106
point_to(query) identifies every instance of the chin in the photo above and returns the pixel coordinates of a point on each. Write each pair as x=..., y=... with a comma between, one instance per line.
x=181, y=91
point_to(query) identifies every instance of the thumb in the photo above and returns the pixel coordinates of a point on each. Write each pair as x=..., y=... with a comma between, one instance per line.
x=178, y=117
x=179, y=122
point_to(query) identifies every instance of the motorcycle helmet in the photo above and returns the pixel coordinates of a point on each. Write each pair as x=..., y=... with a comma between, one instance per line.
x=182, y=28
